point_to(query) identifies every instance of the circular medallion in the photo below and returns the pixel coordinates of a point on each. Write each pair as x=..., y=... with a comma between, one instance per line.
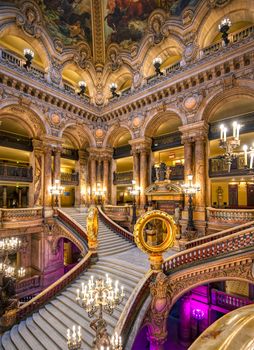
x=136, y=122
x=99, y=133
x=55, y=118
x=190, y=103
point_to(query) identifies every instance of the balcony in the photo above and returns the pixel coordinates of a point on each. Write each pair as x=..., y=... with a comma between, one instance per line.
x=69, y=153
x=227, y=301
x=70, y=179
x=219, y=168
x=25, y=217
x=174, y=173
x=15, y=173
x=124, y=178
x=121, y=152
x=166, y=141
x=15, y=141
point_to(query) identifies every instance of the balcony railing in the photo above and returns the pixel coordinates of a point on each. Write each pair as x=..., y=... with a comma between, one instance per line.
x=230, y=216
x=233, y=37
x=175, y=173
x=15, y=141
x=219, y=168
x=166, y=141
x=70, y=179
x=13, y=217
x=227, y=301
x=14, y=173
x=69, y=153
x=124, y=178
x=117, y=212
x=121, y=152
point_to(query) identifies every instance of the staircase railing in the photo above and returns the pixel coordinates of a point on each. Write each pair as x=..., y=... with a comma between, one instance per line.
x=67, y=219
x=214, y=236
x=53, y=289
x=193, y=256
x=227, y=301
x=114, y=226
x=210, y=250
x=229, y=216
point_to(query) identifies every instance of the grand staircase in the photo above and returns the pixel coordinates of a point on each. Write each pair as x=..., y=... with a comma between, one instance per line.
x=46, y=328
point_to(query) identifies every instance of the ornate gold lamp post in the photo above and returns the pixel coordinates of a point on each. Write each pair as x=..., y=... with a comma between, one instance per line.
x=190, y=190
x=56, y=190
x=99, y=194
x=96, y=298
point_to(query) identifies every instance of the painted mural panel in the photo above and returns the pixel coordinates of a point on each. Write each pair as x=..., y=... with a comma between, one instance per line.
x=126, y=20
x=68, y=20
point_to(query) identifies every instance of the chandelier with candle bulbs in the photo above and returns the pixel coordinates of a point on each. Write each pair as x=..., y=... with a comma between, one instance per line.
x=231, y=143
x=96, y=297
x=9, y=246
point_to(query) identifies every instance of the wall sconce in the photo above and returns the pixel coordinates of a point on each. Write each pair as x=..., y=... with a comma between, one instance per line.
x=29, y=55
x=224, y=28
x=82, y=85
x=157, y=61
x=113, y=88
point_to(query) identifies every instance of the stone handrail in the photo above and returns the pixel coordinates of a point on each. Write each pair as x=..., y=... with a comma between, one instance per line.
x=210, y=250
x=133, y=305
x=20, y=214
x=214, y=236
x=53, y=289
x=72, y=223
x=117, y=212
x=114, y=226
x=229, y=215
x=229, y=302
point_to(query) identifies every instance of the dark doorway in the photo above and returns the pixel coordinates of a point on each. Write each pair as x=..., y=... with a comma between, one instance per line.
x=233, y=196
x=250, y=195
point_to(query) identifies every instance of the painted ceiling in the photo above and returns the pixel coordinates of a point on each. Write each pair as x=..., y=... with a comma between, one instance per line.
x=125, y=21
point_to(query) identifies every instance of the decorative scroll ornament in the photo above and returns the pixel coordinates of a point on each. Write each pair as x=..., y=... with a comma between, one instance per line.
x=92, y=228
x=114, y=58
x=82, y=56
x=218, y=3
x=55, y=72
x=154, y=233
x=29, y=19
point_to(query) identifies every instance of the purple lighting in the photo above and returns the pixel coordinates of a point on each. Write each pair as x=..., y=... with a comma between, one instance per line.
x=198, y=314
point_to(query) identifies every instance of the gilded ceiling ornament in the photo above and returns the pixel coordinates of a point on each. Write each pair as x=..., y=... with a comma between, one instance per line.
x=114, y=58
x=187, y=17
x=218, y=3
x=55, y=72
x=55, y=118
x=58, y=45
x=156, y=22
x=29, y=19
x=82, y=56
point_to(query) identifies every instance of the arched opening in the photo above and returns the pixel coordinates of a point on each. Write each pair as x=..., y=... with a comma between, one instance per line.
x=197, y=309
x=170, y=53
x=122, y=78
x=72, y=75
x=15, y=169
x=231, y=181
x=167, y=158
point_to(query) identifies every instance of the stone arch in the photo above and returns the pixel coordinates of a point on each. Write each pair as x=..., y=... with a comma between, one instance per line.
x=41, y=45
x=32, y=119
x=208, y=27
x=221, y=97
x=80, y=134
x=156, y=119
x=114, y=133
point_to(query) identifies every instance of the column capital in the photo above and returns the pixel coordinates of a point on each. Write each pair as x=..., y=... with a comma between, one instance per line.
x=141, y=144
x=37, y=145
x=194, y=131
x=83, y=154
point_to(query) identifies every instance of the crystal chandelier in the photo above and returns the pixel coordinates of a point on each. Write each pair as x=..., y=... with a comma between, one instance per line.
x=9, y=245
x=56, y=190
x=95, y=298
x=74, y=338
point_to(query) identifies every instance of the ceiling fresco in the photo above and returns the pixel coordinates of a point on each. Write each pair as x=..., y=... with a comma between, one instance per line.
x=68, y=20
x=126, y=20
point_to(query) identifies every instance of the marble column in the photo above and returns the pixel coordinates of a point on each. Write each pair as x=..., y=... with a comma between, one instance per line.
x=143, y=176
x=20, y=197
x=4, y=196
x=188, y=164
x=200, y=173
x=106, y=179
x=57, y=164
x=36, y=161
x=81, y=190
x=47, y=175
x=93, y=177
x=136, y=171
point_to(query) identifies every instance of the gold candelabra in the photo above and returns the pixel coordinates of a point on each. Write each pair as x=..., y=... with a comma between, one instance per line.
x=95, y=298
x=74, y=338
